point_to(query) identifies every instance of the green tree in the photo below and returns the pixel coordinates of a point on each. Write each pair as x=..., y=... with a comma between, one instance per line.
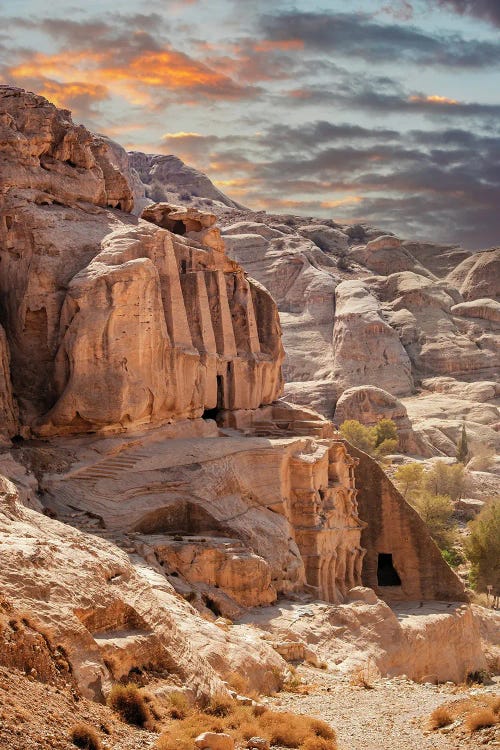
x=360, y=436
x=386, y=437
x=437, y=511
x=444, y=479
x=482, y=547
x=409, y=479
x=462, y=447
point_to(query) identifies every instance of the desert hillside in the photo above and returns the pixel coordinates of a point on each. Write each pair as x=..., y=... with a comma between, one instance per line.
x=181, y=522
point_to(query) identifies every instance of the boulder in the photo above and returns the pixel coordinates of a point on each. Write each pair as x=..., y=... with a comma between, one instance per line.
x=478, y=276
x=214, y=741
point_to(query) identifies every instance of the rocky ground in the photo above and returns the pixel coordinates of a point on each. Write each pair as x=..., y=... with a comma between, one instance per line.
x=392, y=714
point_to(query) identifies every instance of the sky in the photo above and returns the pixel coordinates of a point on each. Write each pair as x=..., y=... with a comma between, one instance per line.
x=377, y=111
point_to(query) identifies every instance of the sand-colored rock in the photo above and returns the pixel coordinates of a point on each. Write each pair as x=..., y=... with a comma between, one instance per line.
x=478, y=276
x=426, y=641
x=86, y=600
x=366, y=349
x=385, y=255
x=214, y=741
x=95, y=301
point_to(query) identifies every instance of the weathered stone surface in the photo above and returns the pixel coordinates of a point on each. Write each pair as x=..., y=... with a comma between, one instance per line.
x=426, y=641
x=328, y=239
x=95, y=301
x=488, y=309
x=478, y=276
x=167, y=178
x=87, y=601
x=8, y=407
x=385, y=255
x=367, y=350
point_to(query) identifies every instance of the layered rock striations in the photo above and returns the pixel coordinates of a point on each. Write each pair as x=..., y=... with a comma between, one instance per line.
x=95, y=302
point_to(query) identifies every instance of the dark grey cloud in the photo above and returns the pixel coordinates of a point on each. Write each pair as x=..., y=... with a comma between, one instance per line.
x=488, y=10
x=359, y=35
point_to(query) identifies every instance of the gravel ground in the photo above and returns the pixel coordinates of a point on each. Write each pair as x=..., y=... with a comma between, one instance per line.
x=391, y=716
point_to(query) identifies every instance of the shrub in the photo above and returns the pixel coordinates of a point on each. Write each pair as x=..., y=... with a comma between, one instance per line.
x=409, y=478
x=444, y=479
x=179, y=705
x=128, y=702
x=376, y=441
x=482, y=546
x=318, y=743
x=436, y=511
x=85, y=737
x=343, y=262
x=440, y=717
x=480, y=719
x=360, y=436
x=220, y=705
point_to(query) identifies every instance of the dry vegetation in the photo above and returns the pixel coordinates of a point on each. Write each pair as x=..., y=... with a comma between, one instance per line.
x=85, y=737
x=243, y=722
x=472, y=713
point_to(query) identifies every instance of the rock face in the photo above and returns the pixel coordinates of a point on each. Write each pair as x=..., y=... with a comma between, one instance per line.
x=94, y=302
x=150, y=364
x=478, y=276
x=366, y=348
x=395, y=567
x=167, y=178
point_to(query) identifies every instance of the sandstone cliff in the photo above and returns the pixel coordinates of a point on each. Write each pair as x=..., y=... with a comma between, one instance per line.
x=141, y=369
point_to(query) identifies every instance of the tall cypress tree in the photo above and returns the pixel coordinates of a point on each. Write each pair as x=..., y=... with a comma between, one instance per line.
x=462, y=447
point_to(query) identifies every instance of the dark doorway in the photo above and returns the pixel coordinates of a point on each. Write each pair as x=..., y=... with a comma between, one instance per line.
x=387, y=574
x=220, y=392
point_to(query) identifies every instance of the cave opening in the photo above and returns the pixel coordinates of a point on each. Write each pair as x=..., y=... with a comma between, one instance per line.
x=387, y=575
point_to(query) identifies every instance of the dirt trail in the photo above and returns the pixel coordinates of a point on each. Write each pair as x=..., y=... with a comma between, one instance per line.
x=391, y=716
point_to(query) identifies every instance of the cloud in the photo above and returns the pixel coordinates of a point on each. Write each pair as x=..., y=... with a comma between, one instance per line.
x=488, y=10
x=358, y=35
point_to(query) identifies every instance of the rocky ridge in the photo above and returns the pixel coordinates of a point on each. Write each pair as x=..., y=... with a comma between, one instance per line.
x=141, y=372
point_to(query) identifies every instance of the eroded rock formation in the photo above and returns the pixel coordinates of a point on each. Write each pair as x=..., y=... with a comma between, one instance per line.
x=94, y=302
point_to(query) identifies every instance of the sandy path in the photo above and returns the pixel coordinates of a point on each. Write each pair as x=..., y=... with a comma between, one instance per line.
x=390, y=717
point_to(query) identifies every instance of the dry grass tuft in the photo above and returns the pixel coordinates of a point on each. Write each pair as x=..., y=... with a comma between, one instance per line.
x=243, y=722
x=362, y=678
x=318, y=743
x=129, y=703
x=178, y=705
x=480, y=719
x=220, y=705
x=440, y=717
x=85, y=737
x=495, y=704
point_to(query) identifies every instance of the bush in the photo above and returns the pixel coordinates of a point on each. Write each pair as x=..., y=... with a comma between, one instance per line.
x=85, y=737
x=482, y=547
x=409, y=479
x=437, y=511
x=440, y=717
x=444, y=479
x=360, y=436
x=480, y=719
x=318, y=743
x=376, y=441
x=128, y=702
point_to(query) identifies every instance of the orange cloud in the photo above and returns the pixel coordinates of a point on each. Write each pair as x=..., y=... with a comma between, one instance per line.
x=285, y=44
x=139, y=79
x=350, y=199
x=433, y=99
x=66, y=94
